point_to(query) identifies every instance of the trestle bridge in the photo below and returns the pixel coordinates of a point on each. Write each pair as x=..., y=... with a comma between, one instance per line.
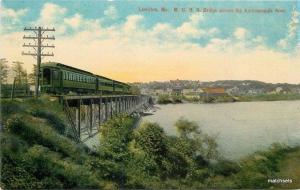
x=86, y=114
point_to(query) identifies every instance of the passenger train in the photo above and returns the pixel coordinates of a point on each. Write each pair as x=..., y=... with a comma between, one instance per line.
x=58, y=78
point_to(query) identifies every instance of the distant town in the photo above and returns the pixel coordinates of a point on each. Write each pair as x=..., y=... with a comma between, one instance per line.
x=222, y=88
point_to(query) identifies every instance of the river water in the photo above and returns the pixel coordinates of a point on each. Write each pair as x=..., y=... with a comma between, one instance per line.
x=241, y=128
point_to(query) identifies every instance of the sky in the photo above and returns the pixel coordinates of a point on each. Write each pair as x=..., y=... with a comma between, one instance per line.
x=135, y=41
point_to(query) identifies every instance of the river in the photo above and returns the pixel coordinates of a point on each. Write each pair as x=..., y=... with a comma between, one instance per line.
x=241, y=128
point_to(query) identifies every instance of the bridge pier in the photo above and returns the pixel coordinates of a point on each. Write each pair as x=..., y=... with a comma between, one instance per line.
x=87, y=113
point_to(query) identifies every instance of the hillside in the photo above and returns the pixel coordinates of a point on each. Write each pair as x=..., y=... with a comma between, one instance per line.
x=35, y=151
x=235, y=87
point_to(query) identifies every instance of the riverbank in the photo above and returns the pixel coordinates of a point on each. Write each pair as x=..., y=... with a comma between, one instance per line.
x=289, y=168
x=172, y=99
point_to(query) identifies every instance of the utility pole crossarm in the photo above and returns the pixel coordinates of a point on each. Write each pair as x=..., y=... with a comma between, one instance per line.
x=32, y=54
x=37, y=28
x=43, y=54
x=43, y=46
x=36, y=37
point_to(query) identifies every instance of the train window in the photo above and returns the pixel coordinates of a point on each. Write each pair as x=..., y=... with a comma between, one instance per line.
x=46, y=76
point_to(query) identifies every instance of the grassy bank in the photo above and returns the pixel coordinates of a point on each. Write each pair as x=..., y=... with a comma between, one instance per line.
x=167, y=99
x=36, y=152
x=268, y=97
x=290, y=169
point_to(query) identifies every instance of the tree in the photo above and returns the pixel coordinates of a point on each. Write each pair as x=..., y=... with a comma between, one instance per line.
x=19, y=71
x=3, y=70
x=32, y=75
x=152, y=139
x=135, y=90
x=185, y=128
x=198, y=143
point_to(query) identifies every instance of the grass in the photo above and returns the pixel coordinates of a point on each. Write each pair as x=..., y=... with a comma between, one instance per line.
x=290, y=169
x=268, y=97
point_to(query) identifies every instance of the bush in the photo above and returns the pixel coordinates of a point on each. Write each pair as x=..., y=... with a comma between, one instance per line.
x=164, y=99
x=52, y=119
x=150, y=137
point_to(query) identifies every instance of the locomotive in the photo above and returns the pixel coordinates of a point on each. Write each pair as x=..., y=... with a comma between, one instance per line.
x=57, y=78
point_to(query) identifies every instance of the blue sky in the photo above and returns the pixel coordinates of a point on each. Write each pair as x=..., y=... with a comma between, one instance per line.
x=271, y=26
x=119, y=29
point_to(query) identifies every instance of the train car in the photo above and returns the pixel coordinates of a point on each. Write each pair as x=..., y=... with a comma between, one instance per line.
x=58, y=78
x=105, y=85
x=118, y=87
x=126, y=88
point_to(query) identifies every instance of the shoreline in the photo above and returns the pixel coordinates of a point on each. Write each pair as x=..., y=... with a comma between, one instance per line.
x=201, y=102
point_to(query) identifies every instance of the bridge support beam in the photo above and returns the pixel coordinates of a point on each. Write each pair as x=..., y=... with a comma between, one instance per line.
x=87, y=113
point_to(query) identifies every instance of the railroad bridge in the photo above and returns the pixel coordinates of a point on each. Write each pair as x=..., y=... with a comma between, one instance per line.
x=86, y=114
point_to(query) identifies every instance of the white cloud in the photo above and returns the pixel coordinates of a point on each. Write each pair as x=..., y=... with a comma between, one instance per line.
x=283, y=43
x=240, y=33
x=10, y=18
x=132, y=23
x=11, y=13
x=51, y=15
x=190, y=28
x=111, y=12
x=292, y=27
x=74, y=21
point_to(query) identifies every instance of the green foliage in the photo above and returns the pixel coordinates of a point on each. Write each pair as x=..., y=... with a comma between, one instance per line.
x=152, y=139
x=164, y=99
x=33, y=153
x=185, y=127
x=195, y=141
x=167, y=99
x=52, y=119
x=269, y=97
x=3, y=70
x=115, y=135
x=176, y=99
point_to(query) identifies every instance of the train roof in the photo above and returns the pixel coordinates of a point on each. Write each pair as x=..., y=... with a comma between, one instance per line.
x=55, y=64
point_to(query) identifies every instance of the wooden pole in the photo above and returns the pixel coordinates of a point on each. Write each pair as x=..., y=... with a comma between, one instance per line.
x=13, y=89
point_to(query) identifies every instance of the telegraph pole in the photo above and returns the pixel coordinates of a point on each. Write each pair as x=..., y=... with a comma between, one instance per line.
x=38, y=47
